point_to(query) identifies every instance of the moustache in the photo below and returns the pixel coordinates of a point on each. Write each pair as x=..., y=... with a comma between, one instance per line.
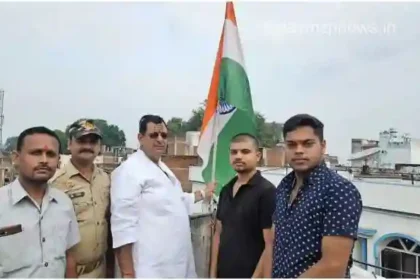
x=300, y=159
x=238, y=161
x=86, y=150
x=42, y=168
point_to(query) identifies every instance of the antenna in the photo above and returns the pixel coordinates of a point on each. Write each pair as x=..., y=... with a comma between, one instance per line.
x=1, y=117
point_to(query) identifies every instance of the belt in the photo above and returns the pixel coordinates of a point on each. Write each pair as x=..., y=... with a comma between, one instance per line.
x=88, y=267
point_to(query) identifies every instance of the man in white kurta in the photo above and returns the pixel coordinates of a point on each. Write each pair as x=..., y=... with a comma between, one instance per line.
x=150, y=211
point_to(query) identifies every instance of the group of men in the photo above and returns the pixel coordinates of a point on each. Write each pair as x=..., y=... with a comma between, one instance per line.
x=58, y=223
x=304, y=228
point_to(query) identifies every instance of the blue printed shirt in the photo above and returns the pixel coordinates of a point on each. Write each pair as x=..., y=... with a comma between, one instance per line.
x=327, y=204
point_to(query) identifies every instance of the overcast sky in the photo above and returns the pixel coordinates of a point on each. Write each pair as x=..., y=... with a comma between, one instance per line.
x=356, y=66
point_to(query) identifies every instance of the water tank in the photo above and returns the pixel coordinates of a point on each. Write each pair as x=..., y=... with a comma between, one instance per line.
x=192, y=138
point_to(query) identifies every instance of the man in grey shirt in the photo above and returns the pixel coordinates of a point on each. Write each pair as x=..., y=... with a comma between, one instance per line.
x=38, y=226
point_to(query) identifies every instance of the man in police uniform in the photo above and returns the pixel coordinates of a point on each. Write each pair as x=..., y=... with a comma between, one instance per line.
x=88, y=187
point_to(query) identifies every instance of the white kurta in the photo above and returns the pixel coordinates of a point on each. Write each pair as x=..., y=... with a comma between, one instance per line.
x=150, y=210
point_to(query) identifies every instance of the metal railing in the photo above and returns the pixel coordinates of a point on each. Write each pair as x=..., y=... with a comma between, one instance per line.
x=413, y=275
x=201, y=234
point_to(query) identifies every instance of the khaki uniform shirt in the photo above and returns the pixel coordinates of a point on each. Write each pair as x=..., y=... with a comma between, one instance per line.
x=91, y=203
x=34, y=239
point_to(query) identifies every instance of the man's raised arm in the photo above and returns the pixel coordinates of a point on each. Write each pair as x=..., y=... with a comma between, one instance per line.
x=197, y=196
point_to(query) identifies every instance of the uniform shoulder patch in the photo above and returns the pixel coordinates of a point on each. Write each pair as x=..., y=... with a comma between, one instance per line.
x=76, y=195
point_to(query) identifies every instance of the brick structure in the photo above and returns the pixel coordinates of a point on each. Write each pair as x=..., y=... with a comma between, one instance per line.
x=180, y=166
x=109, y=158
x=275, y=157
x=177, y=146
x=333, y=160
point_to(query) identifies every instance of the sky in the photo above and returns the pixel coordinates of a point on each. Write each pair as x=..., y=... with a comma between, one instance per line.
x=355, y=66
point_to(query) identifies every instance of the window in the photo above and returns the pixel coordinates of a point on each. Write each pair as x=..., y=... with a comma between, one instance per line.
x=357, y=250
x=360, y=253
x=403, y=255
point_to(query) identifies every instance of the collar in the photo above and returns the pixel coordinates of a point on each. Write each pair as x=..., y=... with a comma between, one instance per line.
x=160, y=164
x=255, y=179
x=314, y=176
x=18, y=192
x=71, y=170
x=144, y=156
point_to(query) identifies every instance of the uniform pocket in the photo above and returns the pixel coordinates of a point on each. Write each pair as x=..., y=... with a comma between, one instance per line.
x=82, y=202
x=103, y=203
x=80, y=208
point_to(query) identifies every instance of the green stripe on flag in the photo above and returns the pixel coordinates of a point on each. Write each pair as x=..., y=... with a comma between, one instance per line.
x=234, y=89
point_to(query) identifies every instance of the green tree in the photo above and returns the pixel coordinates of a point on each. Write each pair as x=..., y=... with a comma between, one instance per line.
x=176, y=126
x=63, y=140
x=261, y=131
x=269, y=134
x=10, y=144
x=277, y=130
x=196, y=119
x=113, y=136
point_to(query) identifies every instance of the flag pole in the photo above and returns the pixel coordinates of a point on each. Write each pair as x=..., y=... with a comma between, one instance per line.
x=214, y=136
x=211, y=209
x=214, y=157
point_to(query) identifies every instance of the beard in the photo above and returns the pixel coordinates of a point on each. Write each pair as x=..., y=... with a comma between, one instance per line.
x=243, y=170
x=36, y=181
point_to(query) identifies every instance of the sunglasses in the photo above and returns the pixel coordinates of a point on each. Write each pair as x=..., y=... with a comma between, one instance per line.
x=155, y=135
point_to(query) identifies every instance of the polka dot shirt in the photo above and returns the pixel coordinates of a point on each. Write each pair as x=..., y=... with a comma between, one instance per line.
x=326, y=205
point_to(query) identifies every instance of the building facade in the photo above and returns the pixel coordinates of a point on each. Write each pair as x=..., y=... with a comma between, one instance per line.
x=392, y=148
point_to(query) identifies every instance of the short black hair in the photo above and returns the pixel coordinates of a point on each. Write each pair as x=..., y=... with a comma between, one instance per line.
x=304, y=120
x=36, y=130
x=246, y=136
x=150, y=119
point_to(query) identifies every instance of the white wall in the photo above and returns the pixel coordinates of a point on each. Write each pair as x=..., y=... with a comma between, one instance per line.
x=372, y=161
x=192, y=137
x=415, y=151
x=395, y=154
x=357, y=252
x=386, y=223
x=396, y=195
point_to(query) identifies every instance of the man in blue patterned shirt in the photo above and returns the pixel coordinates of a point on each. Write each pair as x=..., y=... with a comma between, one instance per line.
x=317, y=210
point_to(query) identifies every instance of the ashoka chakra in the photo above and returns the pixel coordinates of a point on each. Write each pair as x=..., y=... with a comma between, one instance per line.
x=225, y=108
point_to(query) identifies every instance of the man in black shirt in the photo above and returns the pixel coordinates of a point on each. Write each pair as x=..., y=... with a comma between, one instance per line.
x=244, y=216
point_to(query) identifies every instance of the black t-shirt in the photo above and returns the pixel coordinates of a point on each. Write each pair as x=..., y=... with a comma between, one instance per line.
x=243, y=219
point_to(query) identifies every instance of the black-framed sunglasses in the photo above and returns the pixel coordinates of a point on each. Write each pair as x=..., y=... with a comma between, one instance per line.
x=155, y=135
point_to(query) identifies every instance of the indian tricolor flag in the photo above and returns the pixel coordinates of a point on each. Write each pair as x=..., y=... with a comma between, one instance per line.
x=229, y=108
